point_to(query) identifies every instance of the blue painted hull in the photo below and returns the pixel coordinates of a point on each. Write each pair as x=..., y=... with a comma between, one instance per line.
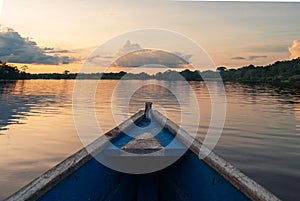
x=187, y=179
x=81, y=177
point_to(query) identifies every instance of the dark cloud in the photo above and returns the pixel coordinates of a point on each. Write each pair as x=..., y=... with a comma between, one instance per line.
x=150, y=58
x=133, y=55
x=153, y=66
x=15, y=49
x=253, y=57
x=48, y=48
x=100, y=60
x=238, y=58
x=53, y=51
x=250, y=58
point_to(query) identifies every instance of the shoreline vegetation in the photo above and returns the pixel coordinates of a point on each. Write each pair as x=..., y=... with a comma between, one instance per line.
x=280, y=73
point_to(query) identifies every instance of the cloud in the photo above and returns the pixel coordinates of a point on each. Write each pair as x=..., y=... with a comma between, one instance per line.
x=238, y=58
x=250, y=58
x=184, y=56
x=133, y=55
x=295, y=49
x=53, y=51
x=153, y=66
x=253, y=57
x=150, y=58
x=15, y=49
x=48, y=48
x=100, y=60
x=127, y=48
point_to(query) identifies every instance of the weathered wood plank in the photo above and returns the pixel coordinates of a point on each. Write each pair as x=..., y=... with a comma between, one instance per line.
x=143, y=144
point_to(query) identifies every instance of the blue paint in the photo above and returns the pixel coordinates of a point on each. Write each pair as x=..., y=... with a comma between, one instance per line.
x=191, y=178
x=148, y=187
x=121, y=140
x=93, y=181
x=187, y=179
x=173, y=147
x=165, y=138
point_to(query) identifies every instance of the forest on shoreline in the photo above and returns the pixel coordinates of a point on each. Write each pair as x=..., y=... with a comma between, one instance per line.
x=280, y=73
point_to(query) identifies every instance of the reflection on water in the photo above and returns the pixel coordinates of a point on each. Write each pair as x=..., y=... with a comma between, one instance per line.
x=11, y=108
x=297, y=114
x=36, y=130
x=19, y=101
x=261, y=138
x=261, y=133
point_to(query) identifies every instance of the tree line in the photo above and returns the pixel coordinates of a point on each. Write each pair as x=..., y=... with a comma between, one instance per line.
x=280, y=73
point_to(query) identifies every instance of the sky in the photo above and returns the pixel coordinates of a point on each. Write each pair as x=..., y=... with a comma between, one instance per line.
x=51, y=36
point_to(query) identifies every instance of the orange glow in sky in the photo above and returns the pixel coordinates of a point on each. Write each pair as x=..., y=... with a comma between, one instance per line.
x=233, y=34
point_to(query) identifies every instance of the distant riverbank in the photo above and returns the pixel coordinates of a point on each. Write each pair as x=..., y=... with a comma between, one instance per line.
x=281, y=73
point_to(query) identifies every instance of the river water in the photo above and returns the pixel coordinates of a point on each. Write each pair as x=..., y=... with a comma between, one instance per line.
x=261, y=135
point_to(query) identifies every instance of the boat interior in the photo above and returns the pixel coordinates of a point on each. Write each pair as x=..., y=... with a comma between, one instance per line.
x=189, y=178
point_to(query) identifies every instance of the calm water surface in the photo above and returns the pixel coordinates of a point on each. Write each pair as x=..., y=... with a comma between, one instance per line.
x=261, y=134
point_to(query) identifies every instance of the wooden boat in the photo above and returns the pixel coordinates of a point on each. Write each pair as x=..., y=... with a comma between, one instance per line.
x=82, y=177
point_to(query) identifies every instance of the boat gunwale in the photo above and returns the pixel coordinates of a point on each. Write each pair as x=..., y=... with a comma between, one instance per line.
x=45, y=182
x=239, y=180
